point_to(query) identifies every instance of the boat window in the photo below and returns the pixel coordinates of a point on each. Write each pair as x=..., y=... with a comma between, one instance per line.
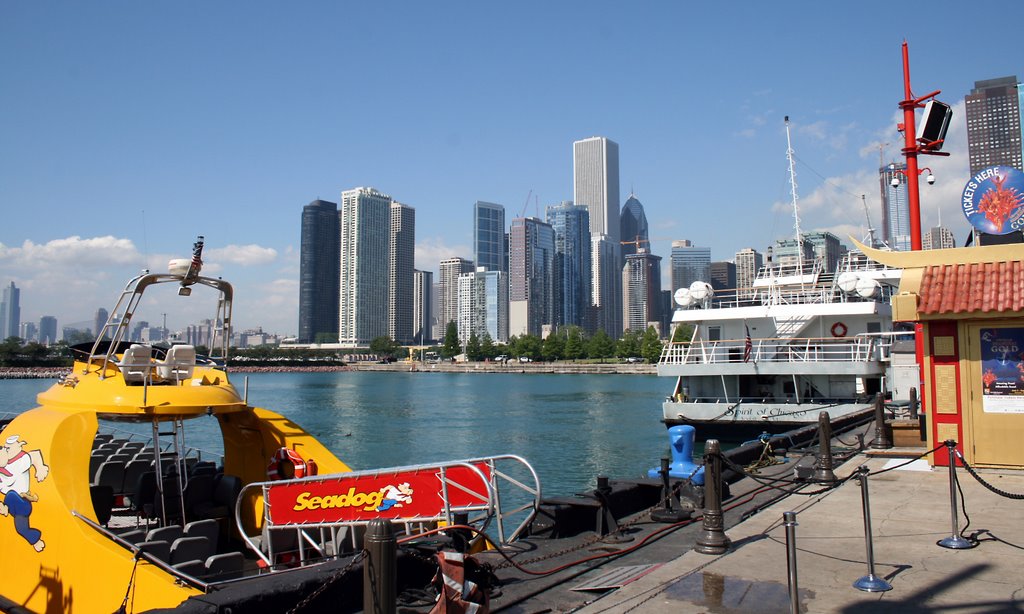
x=874, y=327
x=714, y=333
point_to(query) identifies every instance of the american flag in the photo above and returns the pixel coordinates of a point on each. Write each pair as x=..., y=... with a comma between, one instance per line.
x=748, y=347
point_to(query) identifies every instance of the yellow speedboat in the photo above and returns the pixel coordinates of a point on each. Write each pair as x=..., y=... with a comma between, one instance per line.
x=131, y=516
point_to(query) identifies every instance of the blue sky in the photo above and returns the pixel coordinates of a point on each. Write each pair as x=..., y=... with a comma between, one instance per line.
x=127, y=128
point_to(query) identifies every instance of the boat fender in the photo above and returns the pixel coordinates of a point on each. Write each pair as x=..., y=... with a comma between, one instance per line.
x=287, y=464
x=839, y=329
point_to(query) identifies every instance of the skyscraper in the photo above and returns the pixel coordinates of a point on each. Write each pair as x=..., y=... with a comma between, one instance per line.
x=364, y=223
x=596, y=186
x=10, y=312
x=47, y=330
x=319, y=270
x=401, y=264
x=633, y=227
x=826, y=247
x=994, y=123
x=531, y=276
x=690, y=263
x=448, y=291
x=722, y=275
x=483, y=305
x=641, y=287
x=422, y=304
x=489, y=248
x=748, y=263
x=98, y=322
x=938, y=238
x=571, y=224
x=895, y=207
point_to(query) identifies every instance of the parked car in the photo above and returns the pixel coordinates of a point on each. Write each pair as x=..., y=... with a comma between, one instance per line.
x=525, y=359
x=501, y=358
x=634, y=359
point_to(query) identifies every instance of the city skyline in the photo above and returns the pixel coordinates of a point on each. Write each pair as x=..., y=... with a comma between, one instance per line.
x=106, y=111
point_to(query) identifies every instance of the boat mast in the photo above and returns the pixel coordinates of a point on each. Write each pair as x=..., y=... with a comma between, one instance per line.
x=872, y=242
x=796, y=207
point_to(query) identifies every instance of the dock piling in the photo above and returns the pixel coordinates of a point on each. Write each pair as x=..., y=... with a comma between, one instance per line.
x=380, y=570
x=823, y=462
x=882, y=440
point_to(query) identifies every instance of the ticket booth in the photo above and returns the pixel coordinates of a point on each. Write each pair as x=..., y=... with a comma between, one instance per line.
x=969, y=304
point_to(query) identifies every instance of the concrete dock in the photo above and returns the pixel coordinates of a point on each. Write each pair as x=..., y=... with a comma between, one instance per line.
x=910, y=512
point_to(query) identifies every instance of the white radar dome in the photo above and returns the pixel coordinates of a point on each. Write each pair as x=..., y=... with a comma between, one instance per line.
x=682, y=297
x=178, y=266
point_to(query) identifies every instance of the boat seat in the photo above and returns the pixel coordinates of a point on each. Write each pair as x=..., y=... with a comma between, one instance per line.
x=159, y=548
x=167, y=534
x=179, y=363
x=226, y=566
x=203, y=528
x=132, y=473
x=123, y=458
x=198, y=491
x=110, y=473
x=190, y=549
x=225, y=494
x=135, y=536
x=102, y=502
x=195, y=568
x=135, y=363
x=94, y=463
x=101, y=438
x=132, y=447
x=145, y=491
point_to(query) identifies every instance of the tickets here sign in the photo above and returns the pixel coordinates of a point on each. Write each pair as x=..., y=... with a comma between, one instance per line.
x=397, y=495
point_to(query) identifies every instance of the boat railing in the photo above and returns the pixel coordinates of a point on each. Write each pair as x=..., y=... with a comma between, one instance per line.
x=860, y=348
x=317, y=517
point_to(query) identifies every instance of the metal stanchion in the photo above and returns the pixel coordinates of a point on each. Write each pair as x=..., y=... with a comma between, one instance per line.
x=955, y=541
x=869, y=583
x=380, y=570
x=712, y=538
x=823, y=462
x=789, y=519
x=882, y=440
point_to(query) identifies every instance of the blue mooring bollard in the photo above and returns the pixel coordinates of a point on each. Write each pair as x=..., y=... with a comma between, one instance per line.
x=681, y=440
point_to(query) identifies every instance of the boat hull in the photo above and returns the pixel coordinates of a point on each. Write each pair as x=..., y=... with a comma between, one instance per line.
x=735, y=422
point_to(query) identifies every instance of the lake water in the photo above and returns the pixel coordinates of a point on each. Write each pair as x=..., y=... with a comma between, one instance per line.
x=571, y=428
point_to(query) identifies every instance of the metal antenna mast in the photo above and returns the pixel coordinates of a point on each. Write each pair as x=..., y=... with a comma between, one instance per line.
x=796, y=207
x=867, y=216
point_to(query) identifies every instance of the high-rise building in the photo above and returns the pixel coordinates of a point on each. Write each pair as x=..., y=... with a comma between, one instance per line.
x=422, y=302
x=436, y=329
x=47, y=330
x=722, y=275
x=748, y=263
x=641, y=289
x=895, y=207
x=28, y=332
x=401, y=264
x=99, y=321
x=571, y=224
x=448, y=291
x=10, y=312
x=489, y=248
x=364, y=223
x=633, y=227
x=826, y=247
x=531, y=276
x=994, y=123
x=690, y=263
x=596, y=186
x=791, y=254
x=483, y=305
x=938, y=238
x=319, y=272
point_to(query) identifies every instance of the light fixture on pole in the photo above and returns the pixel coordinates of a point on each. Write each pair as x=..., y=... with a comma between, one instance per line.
x=896, y=172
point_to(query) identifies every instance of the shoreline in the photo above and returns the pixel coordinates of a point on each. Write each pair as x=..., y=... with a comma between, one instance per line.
x=560, y=368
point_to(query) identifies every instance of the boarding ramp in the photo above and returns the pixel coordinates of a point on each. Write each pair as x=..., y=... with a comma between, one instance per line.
x=312, y=518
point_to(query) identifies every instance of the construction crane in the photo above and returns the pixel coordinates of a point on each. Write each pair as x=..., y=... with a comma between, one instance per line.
x=536, y=204
x=638, y=240
x=872, y=242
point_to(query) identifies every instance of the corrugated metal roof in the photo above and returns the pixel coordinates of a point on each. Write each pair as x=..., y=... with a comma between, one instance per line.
x=978, y=287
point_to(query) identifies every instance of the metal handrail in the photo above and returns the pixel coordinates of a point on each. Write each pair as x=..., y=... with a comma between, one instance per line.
x=860, y=348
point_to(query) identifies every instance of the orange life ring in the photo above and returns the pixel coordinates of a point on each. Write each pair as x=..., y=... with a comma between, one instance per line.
x=278, y=467
x=839, y=329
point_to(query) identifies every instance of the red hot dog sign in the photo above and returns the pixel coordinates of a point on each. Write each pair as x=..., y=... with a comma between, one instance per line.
x=395, y=495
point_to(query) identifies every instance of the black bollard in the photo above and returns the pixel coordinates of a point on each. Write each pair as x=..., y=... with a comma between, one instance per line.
x=882, y=441
x=823, y=462
x=712, y=538
x=380, y=570
x=955, y=541
x=670, y=512
x=913, y=405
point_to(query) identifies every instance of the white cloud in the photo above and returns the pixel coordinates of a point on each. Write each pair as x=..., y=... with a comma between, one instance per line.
x=70, y=251
x=242, y=255
x=431, y=251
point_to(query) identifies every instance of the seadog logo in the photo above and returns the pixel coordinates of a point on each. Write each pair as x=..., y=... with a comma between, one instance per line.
x=378, y=501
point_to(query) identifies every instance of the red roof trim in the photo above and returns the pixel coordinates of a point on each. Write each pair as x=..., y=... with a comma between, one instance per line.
x=966, y=288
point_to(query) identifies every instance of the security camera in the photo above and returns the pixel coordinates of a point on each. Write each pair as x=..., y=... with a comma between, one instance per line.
x=895, y=181
x=930, y=179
